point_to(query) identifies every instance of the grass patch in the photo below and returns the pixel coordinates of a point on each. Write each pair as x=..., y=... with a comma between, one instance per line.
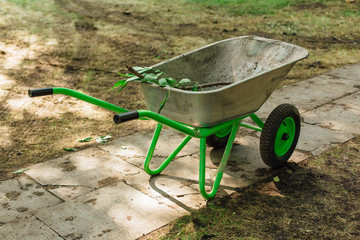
x=254, y=7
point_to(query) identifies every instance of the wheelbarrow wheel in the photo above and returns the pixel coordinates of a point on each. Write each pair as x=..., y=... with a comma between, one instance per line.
x=280, y=135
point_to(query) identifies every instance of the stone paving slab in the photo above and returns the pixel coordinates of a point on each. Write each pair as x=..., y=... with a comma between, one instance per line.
x=311, y=93
x=134, y=212
x=346, y=119
x=22, y=196
x=74, y=220
x=351, y=71
x=352, y=101
x=136, y=145
x=87, y=168
x=178, y=193
x=27, y=228
x=315, y=139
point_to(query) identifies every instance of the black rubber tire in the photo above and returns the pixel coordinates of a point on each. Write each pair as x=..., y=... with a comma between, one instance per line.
x=270, y=129
x=217, y=142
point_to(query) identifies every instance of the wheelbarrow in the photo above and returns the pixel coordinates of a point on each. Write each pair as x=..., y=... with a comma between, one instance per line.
x=238, y=75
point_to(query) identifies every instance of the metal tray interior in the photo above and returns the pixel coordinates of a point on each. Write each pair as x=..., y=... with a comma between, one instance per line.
x=253, y=65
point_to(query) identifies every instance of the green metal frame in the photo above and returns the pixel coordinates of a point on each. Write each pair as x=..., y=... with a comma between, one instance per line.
x=202, y=133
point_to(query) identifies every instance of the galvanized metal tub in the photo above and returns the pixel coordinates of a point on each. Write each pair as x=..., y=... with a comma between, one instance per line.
x=255, y=66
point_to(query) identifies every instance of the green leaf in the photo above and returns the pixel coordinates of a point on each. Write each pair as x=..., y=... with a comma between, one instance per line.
x=138, y=69
x=127, y=75
x=142, y=69
x=185, y=81
x=163, y=82
x=194, y=89
x=20, y=170
x=162, y=104
x=85, y=139
x=171, y=81
x=133, y=78
x=276, y=179
x=121, y=89
x=70, y=149
x=150, y=76
x=102, y=139
x=120, y=83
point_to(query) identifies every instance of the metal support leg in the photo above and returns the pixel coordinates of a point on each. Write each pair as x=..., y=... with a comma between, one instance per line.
x=168, y=159
x=221, y=167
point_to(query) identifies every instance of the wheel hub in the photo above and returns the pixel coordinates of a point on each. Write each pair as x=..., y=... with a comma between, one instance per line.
x=285, y=137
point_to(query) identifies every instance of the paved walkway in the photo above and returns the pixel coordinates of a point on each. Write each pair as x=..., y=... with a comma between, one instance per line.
x=103, y=192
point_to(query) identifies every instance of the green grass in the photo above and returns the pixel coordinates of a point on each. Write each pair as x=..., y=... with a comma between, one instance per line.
x=253, y=7
x=36, y=5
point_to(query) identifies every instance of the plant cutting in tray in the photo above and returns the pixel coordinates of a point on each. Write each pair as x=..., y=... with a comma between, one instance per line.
x=150, y=75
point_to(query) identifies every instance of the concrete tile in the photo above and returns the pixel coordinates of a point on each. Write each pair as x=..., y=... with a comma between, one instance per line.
x=69, y=192
x=21, y=196
x=51, y=173
x=316, y=139
x=298, y=156
x=74, y=220
x=349, y=71
x=309, y=94
x=28, y=228
x=96, y=165
x=350, y=101
x=133, y=211
x=84, y=168
x=137, y=145
x=186, y=168
x=245, y=165
x=336, y=117
x=179, y=193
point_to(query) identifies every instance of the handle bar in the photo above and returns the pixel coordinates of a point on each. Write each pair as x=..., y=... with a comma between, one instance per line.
x=56, y=90
x=40, y=92
x=119, y=118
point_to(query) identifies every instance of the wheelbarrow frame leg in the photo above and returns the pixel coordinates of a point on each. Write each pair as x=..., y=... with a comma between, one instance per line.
x=202, y=169
x=168, y=159
x=220, y=169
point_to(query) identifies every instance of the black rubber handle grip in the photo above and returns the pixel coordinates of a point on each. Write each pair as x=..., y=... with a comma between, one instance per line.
x=123, y=117
x=40, y=92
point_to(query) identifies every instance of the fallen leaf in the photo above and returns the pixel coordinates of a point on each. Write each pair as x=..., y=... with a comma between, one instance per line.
x=102, y=139
x=70, y=149
x=21, y=170
x=276, y=179
x=85, y=139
